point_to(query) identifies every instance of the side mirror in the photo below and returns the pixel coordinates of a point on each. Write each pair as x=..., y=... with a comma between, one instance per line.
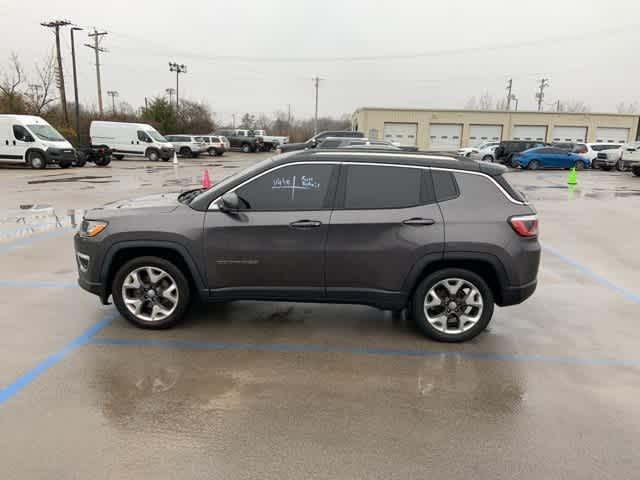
x=313, y=143
x=230, y=202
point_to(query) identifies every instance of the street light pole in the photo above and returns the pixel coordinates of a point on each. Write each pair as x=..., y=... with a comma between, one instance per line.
x=182, y=68
x=75, y=83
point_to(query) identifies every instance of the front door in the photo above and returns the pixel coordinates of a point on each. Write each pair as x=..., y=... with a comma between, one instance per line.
x=22, y=140
x=274, y=246
x=384, y=222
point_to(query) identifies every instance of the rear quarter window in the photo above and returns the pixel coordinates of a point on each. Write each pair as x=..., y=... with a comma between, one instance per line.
x=445, y=185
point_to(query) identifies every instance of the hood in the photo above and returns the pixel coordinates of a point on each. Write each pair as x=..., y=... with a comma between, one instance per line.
x=162, y=202
x=61, y=144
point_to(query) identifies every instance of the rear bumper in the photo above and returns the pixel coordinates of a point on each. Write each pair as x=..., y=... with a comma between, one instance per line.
x=599, y=162
x=516, y=295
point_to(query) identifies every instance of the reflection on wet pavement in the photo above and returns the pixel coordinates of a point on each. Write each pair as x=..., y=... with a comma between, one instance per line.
x=38, y=218
x=84, y=179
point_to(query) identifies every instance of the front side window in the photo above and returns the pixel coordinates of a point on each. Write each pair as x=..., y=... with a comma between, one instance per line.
x=156, y=136
x=21, y=133
x=377, y=187
x=143, y=137
x=290, y=188
x=45, y=132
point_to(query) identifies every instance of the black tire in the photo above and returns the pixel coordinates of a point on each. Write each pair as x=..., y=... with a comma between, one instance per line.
x=211, y=151
x=418, y=310
x=80, y=162
x=606, y=168
x=487, y=158
x=246, y=148
x=636, y=170
x=103, y=161
x=579, y=165
x=184, y=294
x=152, y=155
x=185, y=152
x=118, y=157
x=37, y=161
x=65, y=165
x=533, y=165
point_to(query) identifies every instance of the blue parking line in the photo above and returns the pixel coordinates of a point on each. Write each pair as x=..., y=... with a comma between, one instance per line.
x=24, y=380
x=590, y=273
x=37, y=284
x=309, y=348
x=10, y=247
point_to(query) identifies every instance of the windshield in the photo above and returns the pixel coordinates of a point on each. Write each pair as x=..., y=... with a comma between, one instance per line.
x=46, y=132
x=156, y=136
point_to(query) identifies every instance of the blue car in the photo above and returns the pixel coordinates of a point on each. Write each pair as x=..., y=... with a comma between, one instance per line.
x=550, y=157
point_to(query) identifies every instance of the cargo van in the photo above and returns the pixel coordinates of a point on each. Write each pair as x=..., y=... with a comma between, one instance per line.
x=31, y=140
x=131, y=139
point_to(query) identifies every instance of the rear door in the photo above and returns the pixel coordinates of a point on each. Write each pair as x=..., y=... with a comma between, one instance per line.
x=384, y=222
x=275, y=245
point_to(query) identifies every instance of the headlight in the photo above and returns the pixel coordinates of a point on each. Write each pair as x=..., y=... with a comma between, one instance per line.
x=91, y=228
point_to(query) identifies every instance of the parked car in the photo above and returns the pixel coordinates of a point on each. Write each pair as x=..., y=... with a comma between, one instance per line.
x=225, y=141
x=131, y=139
x=242, y=139
x=100, y=155
x=631, y=158
x=486, y=154
x=316, y=139
x=31, y=140
x=628, y=156
x=467, y=151
x=590, y=151
x=215, y=145
x=506, y=149
x=549, y=157
x=387, y=246
x=188, y=145
x=270, y=142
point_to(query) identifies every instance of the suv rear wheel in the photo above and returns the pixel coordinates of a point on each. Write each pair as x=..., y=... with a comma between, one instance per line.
x=452, y=305
x=246, y=148
x=151, y=292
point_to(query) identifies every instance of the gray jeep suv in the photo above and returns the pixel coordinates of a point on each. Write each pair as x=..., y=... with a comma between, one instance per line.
x=444, y=238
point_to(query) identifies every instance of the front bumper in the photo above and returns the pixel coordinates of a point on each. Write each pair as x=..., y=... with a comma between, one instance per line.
x=166, y=153
x=627, y=164
x=60, y=155
x=89, y=257
x=603, y=162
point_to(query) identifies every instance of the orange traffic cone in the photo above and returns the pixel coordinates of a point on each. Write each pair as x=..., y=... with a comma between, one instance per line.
x=206, y=182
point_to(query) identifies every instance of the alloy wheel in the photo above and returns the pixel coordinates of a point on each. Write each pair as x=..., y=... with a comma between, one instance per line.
x=150, y=293
x=453, y=305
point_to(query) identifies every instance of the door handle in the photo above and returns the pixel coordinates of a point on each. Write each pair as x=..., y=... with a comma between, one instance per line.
x=14, y=143
x=305, y=224
x=419, y=221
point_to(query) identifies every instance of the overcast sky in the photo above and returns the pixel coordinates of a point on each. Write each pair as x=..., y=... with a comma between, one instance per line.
x=260, y=56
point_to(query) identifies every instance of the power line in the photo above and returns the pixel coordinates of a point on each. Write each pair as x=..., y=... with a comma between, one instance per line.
x=97, y=49
x=56, y=24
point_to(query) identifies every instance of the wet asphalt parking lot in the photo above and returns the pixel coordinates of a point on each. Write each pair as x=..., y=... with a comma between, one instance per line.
x=284, y=391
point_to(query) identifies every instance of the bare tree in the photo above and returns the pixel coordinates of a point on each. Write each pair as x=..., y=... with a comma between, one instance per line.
x=472, y=104
x=11, y=82
x=263, y=122
x=486, y=101
x=631, y=107
x=40, y=94
x=573, y=106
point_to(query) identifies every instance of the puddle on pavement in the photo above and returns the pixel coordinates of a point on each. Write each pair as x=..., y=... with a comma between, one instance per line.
x=83, y=179
x=31, y=219
x=578, y=191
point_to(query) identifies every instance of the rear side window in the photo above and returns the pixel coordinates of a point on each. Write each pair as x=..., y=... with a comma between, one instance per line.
x=515, y=194
x=330, y=143
x=294, y=187
x=378, y=187
x=215, y=139
x=445, y=186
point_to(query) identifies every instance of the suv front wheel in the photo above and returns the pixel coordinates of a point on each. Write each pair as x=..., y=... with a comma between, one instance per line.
x=453, y=305
x=151, y=292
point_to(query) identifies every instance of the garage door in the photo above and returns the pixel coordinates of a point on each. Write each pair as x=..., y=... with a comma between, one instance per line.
x=612, y=135
x=484, y=133
x=529, y=132
x=403, y=133
x=569, y=134
x=445, y=136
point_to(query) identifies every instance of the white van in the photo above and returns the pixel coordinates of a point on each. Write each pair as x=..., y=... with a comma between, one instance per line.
x=131, y=139
x=29, y=139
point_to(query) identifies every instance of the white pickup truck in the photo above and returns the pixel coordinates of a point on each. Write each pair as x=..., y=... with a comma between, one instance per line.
x=270, y=142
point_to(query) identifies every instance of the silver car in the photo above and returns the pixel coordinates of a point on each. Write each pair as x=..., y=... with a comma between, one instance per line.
x=188, y=145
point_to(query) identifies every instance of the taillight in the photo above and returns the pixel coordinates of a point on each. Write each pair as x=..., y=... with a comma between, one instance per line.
x=525, y=226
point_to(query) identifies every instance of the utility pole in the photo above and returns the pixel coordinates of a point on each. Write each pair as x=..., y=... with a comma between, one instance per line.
x=558, y=106
x=56, y=24
x=174, y=67
x=75, y=83
x=316, y=82
x=113, y=94
x=544, y=83
x=97, y=48
x=515, y=99
x=289, y=120
x=170, y=92
x=509, y=96
x=233, y=117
